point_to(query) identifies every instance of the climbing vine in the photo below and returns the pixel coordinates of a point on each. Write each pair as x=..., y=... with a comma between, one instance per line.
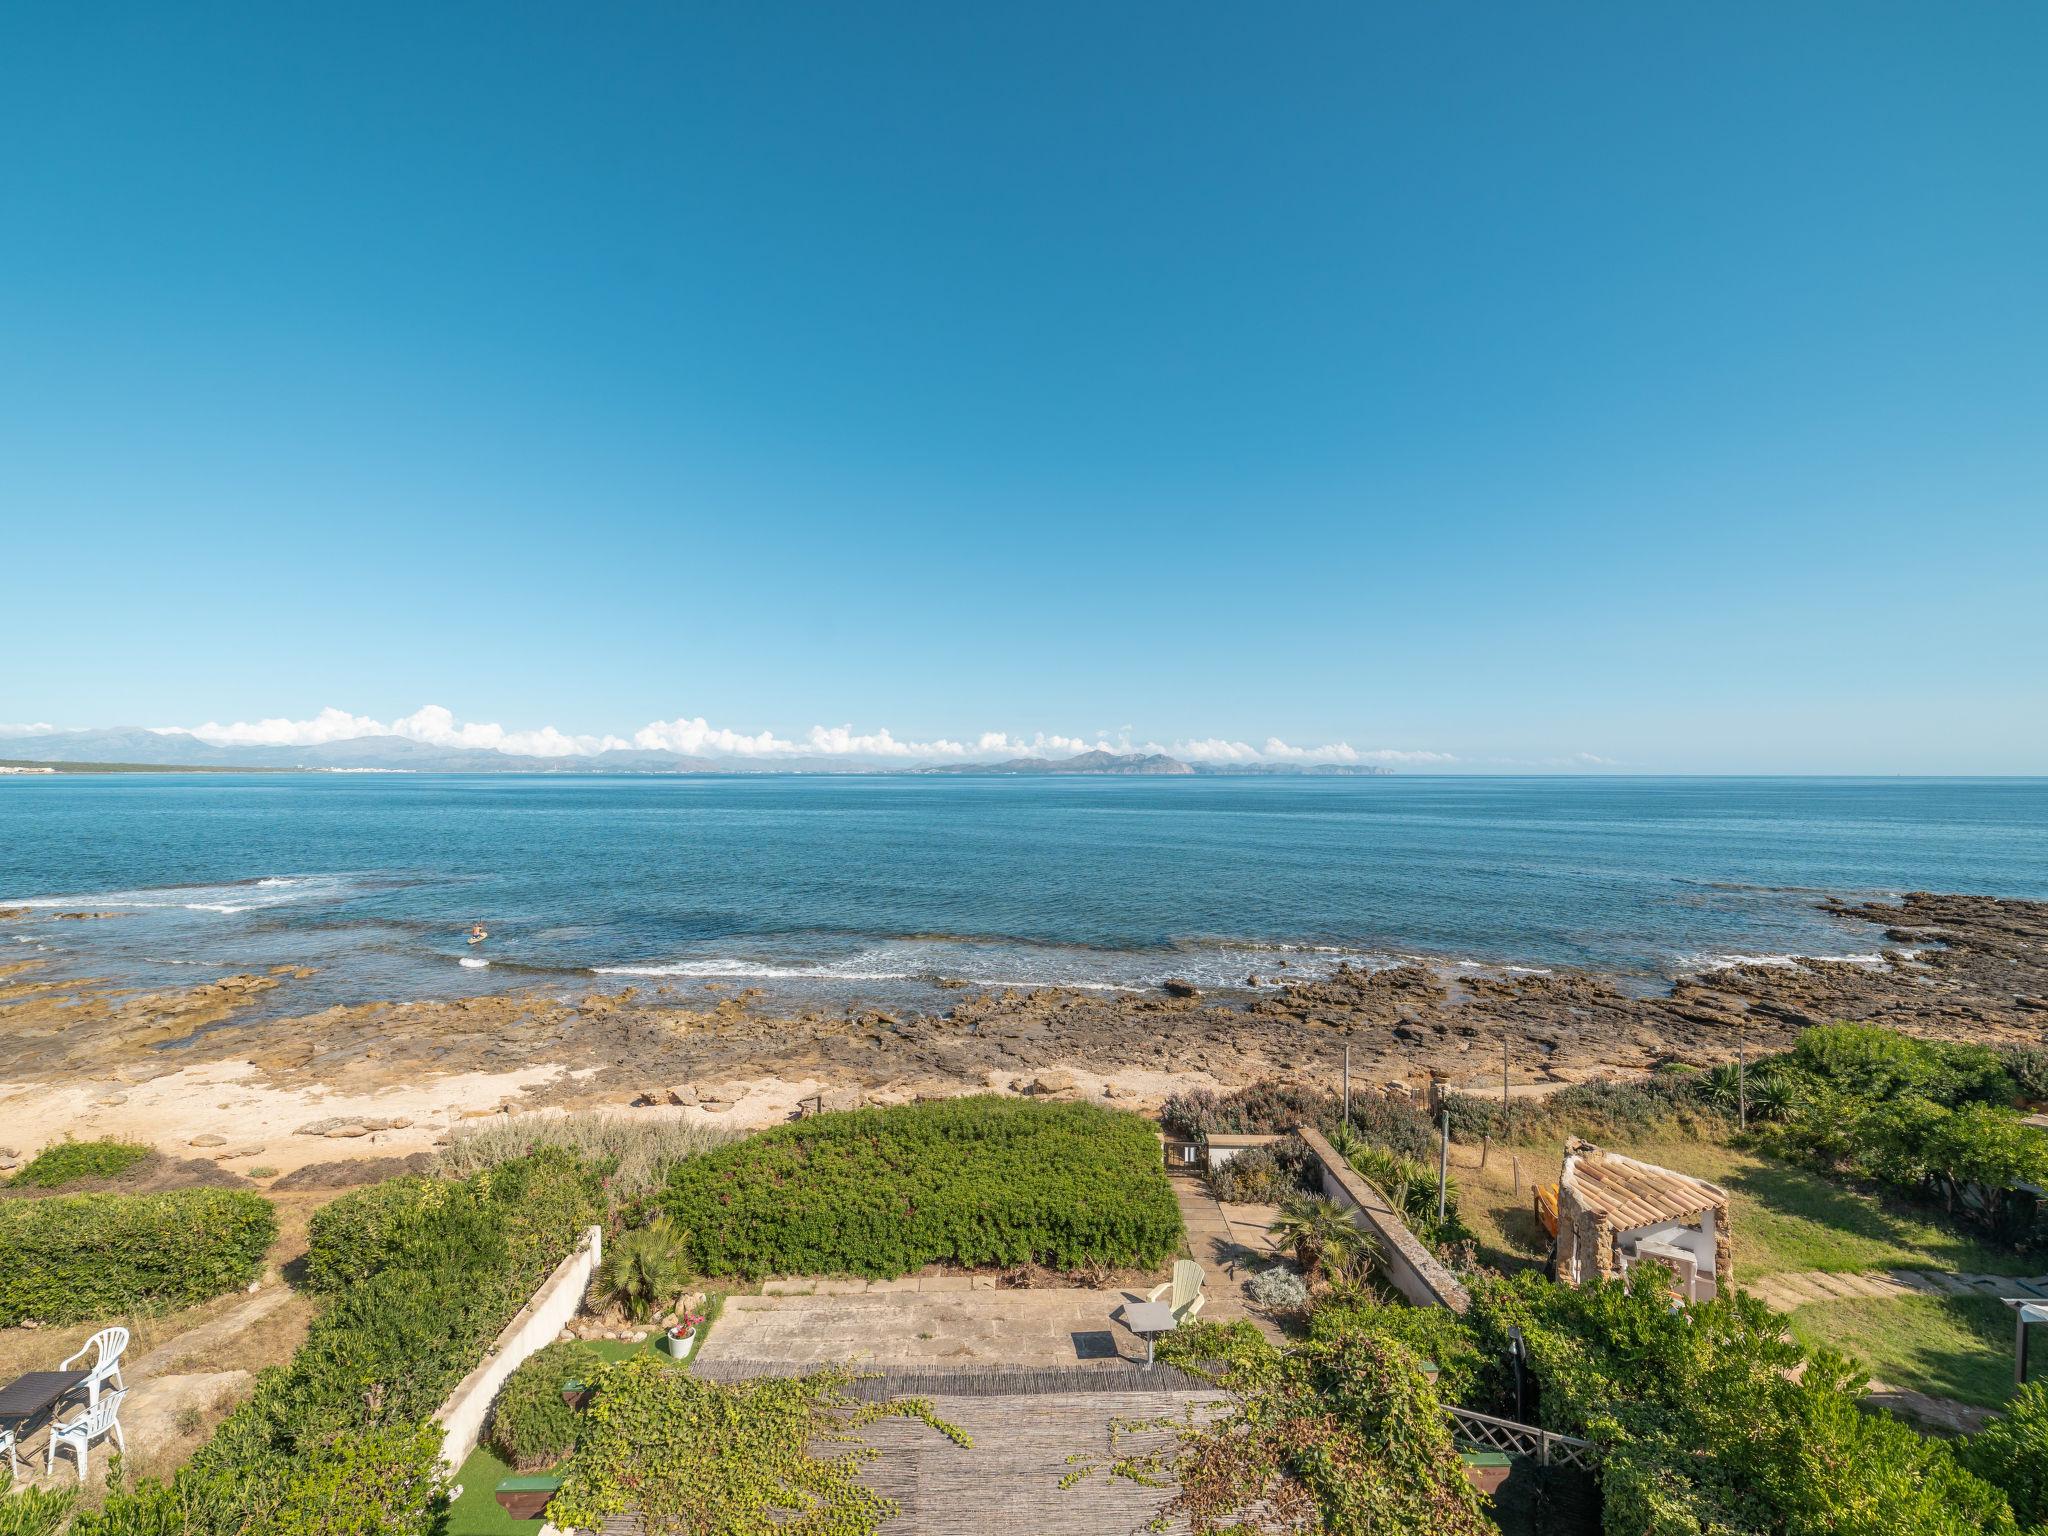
x=1343, y=1435
x=730, y=1458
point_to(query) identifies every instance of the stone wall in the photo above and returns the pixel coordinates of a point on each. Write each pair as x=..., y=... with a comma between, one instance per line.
x=537, y=1324
x=1410, y=1267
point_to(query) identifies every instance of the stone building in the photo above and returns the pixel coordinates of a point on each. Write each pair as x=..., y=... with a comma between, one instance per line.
x=1614, y=1213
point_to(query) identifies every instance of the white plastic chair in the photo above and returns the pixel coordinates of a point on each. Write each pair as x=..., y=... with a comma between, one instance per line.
x=1186, y=1286
x=105, y=1348
x=7, y=1445
x=80, y=1432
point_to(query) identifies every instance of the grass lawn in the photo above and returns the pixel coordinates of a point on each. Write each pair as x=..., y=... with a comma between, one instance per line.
x=1785, y=1218
x=477, y=1512
x=1945, y=1346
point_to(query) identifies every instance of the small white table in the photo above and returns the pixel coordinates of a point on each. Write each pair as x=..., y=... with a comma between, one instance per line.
x=1148, y=1319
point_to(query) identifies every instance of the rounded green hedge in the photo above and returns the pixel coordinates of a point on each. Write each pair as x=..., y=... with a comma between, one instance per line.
x=73, y=1258
x=532, y=1425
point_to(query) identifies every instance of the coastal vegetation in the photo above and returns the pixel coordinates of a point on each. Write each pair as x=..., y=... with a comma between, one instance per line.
x=637, y=1153
x=977, y=1181
x=1707, y=1418
x=738, y=1459
x=1387, y=1142
x=533, y=1425
x=66, y=1162
x=65, y=1258
x=1339, y=1433
x=511, y=1217
x=1928, y=1118
x=340, y=1440
x=2012, y=1453
x=1922, y=1121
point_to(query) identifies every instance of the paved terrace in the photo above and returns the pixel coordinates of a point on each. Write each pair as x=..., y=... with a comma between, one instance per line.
x=1007, y=1483
x=954, y=1322
x=1036, y=1377
x=921, y=1331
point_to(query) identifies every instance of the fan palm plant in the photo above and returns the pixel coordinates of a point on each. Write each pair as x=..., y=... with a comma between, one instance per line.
x=1326, y=1243
x=644, y=1267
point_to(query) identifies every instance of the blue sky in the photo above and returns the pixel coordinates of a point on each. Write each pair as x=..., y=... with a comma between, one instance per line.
x=1522, y=385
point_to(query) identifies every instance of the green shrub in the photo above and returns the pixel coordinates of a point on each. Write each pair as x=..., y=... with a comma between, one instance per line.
x=65, y=1162
x=32, y=1511
x=1465, y=1373
x=1868, y=1061
x=383, y=1482
x=508, y=1212
x=1674, y=1104
x=1339, y=1435
x=1709, y=1418
x=972, y=1181
x=72, y=1257
x=1928, y=1118
x=1267, y=1175
x=1262, y=1109
x=531, y=1426
x=401, y=1327
x=2012, y=1454
x=1395, y=1125
x=2027, y=1066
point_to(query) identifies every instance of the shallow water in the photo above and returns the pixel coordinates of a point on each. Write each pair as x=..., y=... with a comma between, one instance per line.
x=834, y=888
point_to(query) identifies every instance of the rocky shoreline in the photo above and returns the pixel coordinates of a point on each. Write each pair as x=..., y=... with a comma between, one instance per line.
x=1968, y=967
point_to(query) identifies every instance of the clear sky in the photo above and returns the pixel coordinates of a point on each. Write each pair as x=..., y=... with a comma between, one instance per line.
x=1662, y=383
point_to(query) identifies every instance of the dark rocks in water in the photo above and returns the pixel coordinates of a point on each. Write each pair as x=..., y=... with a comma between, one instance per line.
x=1178, y=988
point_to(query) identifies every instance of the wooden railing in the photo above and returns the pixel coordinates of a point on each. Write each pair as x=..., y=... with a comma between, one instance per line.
x=1485, y=1432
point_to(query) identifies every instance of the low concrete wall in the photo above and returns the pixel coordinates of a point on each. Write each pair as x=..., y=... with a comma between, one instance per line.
x=561, y=1294
x=1410, y=1268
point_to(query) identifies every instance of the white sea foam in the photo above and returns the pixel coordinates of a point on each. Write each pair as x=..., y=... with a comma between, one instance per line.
x=1784, y=962
x=242, y=896
x=472, y=965
x=739, y=969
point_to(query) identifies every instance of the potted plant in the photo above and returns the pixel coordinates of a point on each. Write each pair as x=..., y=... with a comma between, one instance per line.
x=682, y=1338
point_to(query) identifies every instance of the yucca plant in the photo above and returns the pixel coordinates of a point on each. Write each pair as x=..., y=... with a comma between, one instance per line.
x=1344, y=1140
x=643, y=1268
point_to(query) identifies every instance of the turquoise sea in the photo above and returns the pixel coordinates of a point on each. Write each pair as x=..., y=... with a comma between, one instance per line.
x=830, y=889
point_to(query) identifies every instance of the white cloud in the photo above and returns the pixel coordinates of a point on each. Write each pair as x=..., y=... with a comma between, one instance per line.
x=695, y=736
x=40, y=728
x=328, y=725
x=698, y=738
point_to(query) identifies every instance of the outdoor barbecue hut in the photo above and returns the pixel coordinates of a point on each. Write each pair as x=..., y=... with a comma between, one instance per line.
x=1614, y=1213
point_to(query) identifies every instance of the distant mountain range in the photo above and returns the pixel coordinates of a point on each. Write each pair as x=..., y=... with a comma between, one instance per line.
x=133, y=744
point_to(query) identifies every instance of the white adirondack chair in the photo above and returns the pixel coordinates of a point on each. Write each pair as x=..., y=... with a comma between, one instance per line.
x=1186, y=1286
x=105, y=1347
x=90, y=1424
